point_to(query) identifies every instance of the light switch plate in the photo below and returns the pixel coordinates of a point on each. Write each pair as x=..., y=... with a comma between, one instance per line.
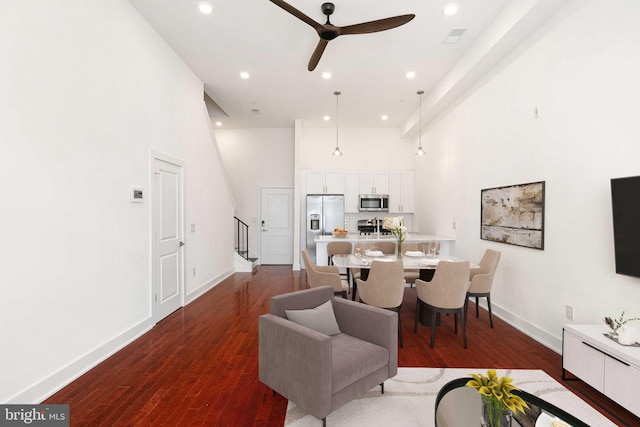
x=136, y=195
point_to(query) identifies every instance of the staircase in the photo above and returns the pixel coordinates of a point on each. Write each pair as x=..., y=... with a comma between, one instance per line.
x=244, y=262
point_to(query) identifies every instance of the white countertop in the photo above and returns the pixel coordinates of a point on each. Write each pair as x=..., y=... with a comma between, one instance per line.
x=355, y=237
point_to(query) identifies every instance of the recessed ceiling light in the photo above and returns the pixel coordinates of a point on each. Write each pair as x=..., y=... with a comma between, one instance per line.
x=205, y=7
x=326, y=118
x=244, y=75
x=385, y=117
x=218, y=123
x=326, y=75
x=450, y=9
x=411, y=74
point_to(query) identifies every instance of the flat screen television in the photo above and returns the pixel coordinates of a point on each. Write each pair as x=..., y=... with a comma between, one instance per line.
x=625, y=200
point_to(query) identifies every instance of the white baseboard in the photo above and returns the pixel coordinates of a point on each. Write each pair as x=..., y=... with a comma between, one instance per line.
x=56, y=381
x=195, y=294
x=527, y=328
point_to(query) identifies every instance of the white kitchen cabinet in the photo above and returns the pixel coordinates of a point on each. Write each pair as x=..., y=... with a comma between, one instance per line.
x=325, y=182
x=373, y=182
x=402, y=192
x=351, y=192
x=607, y=366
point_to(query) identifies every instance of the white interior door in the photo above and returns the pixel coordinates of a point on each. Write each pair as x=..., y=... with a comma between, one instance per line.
x=276, y=235
x=168, y=252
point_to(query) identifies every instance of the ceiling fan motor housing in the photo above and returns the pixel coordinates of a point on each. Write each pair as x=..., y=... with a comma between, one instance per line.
x=328, y=8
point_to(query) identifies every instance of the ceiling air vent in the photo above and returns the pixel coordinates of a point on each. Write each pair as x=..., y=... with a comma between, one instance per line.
x=454, y=36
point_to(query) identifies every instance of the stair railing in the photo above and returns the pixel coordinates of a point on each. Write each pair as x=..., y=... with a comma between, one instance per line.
x=241, y=238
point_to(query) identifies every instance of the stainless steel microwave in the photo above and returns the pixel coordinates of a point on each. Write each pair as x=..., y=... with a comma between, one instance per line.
x=373, y=203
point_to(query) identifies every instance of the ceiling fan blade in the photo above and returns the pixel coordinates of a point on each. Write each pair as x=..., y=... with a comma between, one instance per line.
x=315, y=58
x=377, y=25
x=295, y=12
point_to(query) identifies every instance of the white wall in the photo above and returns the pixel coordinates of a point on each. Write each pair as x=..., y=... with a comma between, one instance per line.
x=583, y=78
x=87, y=91
x=254, y=159
x=364, y=149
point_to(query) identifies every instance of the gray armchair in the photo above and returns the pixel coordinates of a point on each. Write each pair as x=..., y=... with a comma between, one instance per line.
x=319, y=372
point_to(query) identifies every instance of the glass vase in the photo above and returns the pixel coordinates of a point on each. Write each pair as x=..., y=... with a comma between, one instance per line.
x=494, y=416
x=399, y=248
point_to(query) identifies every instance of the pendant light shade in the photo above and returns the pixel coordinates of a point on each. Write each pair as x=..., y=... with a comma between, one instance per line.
x=420, y=150
x=337, y=151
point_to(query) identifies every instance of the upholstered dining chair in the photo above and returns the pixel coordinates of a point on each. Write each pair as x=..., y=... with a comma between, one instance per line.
x=445, y=293
x=339, y=248
x=482, y=279
x=324, y=275
x=410, y=275
x=384, y=288
x=387, y=248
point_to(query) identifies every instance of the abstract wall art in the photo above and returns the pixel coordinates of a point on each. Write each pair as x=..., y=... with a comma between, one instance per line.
x=514, y=215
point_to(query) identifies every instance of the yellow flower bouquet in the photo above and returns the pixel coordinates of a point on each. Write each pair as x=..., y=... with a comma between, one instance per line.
x=496, y=395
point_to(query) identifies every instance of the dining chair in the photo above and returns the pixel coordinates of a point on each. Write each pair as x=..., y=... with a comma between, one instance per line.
x=412, y=274
x=324, y=275
x=482, y=279
x=384, y=288
x=445, y=293
x=386, y=247
x=339, y=248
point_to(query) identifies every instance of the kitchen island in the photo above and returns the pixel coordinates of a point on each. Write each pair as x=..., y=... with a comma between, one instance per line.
x=323, y=241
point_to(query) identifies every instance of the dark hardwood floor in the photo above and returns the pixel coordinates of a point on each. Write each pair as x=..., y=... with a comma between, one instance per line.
x=199, y=366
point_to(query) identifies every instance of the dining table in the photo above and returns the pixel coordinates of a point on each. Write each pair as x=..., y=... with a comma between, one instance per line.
x=411, y=260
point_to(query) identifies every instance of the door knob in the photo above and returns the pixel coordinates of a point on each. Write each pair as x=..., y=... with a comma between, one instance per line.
x=181, y=244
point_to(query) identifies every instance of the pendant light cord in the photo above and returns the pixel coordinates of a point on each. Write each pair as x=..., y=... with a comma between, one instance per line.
x=337, y=94
x=420, y=150
x=337, y=151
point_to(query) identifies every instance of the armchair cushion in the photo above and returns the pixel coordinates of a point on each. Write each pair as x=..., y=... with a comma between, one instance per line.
x=320, y=319
x=354, y=359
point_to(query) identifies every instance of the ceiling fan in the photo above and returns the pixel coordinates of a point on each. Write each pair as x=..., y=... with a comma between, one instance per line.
x=328, y=31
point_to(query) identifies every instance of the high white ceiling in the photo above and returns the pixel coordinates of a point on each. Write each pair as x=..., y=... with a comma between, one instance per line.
x=260, y=38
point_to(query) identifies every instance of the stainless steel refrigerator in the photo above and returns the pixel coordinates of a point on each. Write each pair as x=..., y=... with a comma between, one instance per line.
x=324, y=213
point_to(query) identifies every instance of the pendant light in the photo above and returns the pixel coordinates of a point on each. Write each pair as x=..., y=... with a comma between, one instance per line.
x=420, y=150
x=337, y=151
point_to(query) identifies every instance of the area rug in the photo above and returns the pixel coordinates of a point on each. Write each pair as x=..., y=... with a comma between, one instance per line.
x=409, y=399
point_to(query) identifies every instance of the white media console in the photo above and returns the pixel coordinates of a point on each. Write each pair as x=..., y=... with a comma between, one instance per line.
x=611, y=368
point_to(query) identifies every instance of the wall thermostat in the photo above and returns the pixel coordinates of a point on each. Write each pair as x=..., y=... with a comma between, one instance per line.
x=137, y=195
